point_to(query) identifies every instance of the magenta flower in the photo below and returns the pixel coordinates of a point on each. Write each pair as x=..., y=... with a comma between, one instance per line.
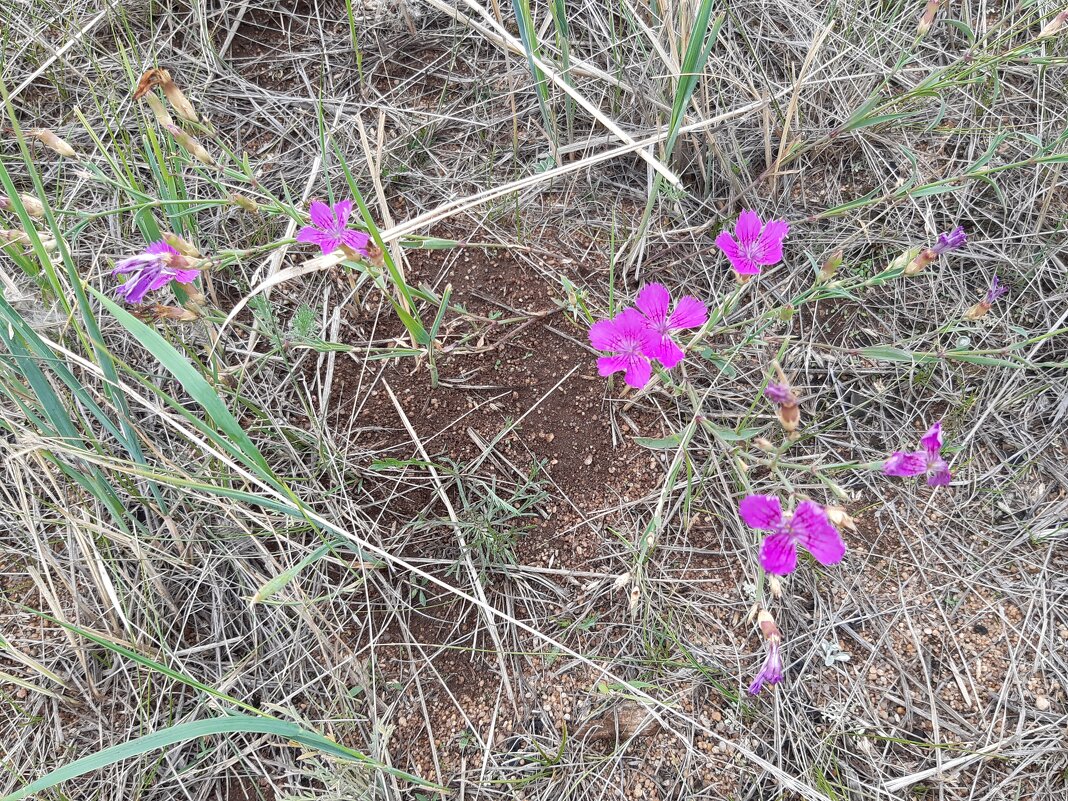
x=758, y=245
x=155, y=268
x=629, y=337
x=780, y=394
x=771, y=670
x=951, y=241
x=997, y=289
x=329, y=229
x=927, y=461
x=654, y=301
x=807, y=527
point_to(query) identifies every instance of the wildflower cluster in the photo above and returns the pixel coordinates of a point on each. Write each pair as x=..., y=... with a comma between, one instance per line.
x=637, y=336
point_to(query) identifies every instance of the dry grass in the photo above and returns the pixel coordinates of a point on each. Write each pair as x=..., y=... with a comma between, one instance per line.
x=455, y=628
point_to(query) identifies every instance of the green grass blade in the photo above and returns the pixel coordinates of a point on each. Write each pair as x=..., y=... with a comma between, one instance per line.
x=233, y=724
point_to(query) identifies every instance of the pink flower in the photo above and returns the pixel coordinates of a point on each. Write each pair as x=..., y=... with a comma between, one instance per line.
x=629, y=337
x=153, y=269
x=770, y=671
x=780, y=394
x=329, y=228
x=758, y=245
x=927, y=461
x=807, y=527
x=654, y=301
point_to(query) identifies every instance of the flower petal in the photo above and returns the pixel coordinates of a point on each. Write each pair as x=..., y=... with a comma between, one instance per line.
x=778, y=554
x=769, y=247
x=321, y=216
x=311, y=235
x=938, y=474
x=606, y=365
x=639, y=371
x=329, y=243
x=342, y=210
x=654, y=301
x=689, y=313
x=740, y=263
x=760, y=511
x=665, y=351
x=186, y=276
x=932, y=440
x=160, y=247
x=604, y=335
x=357, y=240
x=747, y=229
x=814, y=531
x=903, y=464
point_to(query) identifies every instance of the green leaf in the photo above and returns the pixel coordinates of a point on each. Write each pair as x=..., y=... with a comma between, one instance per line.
x=194, y=384
x=232, y=724
x=660, y=443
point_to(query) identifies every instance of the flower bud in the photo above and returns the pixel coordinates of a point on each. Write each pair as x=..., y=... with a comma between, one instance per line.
x=247, y=203
x=1054, y=26
x=50, y=140
x=928, y=18
x=774, y=587
x=830, y=267
x=181, y=245
x=191, y=144
x=10, y=235
x=157, y=311
x=764, y=444
x=159, y=111
x=768, y=627
x=840, y=517
x=33, y=206
x=922, y=259
x=161, y=78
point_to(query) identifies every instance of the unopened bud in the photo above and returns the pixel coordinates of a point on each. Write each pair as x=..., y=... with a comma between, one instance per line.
x=175, y=314
x=159, y=111
x=768, y=626
x=50, y=140
x=980, y=309
x=162, y=78
x=928, y=18
x=33, y=206
x=830, y=267
x=774, y=586
x=247, y=203
x=181, y=245
x=763, y=444
x=841, y=518
x=191, y=144
x=789, y=416
x=919, y=261
x=12, y=235
x=1054, y=26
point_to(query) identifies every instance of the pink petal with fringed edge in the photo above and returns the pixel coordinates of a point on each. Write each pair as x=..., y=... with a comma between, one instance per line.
x=760, y=511
x=747, y=229
x=903, y=464
x=321, y=215
x=939, y=475
x=654, y=301
x=603, y=335
x=770, y=244
x=814, y=531
x=639, y=371
x=666, y=352
x=932, y=440
x=689, y=313
x=342, y=211
x=778, y=554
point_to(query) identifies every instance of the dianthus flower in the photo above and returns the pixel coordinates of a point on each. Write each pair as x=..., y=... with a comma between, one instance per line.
x=629, y=338
x=757, y=245
x=654, y=301
x=807, y=527
x=155, y=268
x=997, y=289
x=926, y=461
x=771, y=670
x=329, y=229
x=946, y=242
